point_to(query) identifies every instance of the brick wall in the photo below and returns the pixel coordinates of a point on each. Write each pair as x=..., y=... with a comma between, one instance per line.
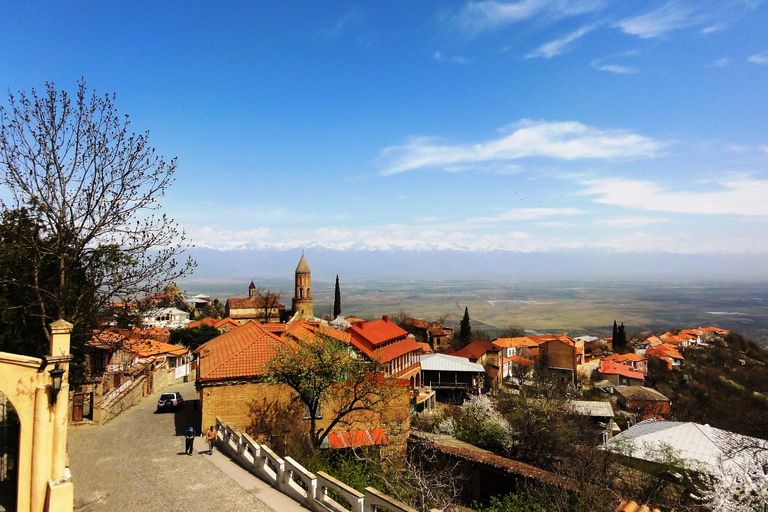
x=231, y=402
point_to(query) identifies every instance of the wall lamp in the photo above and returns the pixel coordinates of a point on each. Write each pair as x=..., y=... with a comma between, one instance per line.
x=56, y=376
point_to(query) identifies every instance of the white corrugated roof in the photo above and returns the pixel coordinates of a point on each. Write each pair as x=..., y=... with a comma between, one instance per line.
x=692, y=442
x=446, y=363
x=592, y=408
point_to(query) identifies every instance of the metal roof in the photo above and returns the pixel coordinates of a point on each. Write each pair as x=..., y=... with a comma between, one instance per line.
x=592, y=408
x=446, y=363
x=692, y=442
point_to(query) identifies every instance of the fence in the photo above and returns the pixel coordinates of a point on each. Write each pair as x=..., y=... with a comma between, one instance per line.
x=111, y=396
x=319, y=493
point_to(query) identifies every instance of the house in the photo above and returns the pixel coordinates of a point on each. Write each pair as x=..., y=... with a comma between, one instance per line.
x=595, y=410
x=515, y=355
x=438, y=337
x=666, y=352
x=121, y=361
x=647, y=402
x=450, y=372
x=619, y=374
x=636, y=361
x=563, y=356
x=229, y=378
x=383, y=341
x=173, y=318
x=700, y=447
x=481, y=352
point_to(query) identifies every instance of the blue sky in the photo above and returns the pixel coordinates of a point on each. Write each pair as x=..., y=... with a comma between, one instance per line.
x=526, y=126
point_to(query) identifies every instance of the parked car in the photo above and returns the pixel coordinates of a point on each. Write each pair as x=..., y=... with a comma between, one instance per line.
x=170, y=401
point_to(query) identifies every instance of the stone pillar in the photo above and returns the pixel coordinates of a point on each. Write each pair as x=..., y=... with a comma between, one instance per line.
x=42, y=446
x=60, y=331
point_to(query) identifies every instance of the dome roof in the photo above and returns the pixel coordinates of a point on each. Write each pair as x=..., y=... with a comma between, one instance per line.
x=302, y=266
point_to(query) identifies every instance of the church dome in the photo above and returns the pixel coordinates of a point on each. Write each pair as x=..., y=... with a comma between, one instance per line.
x=302, y=267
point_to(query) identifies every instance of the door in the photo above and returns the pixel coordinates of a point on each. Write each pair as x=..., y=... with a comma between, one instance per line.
x=77, y=406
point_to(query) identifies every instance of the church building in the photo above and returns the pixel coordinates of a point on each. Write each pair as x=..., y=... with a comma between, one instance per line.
x=266, y=307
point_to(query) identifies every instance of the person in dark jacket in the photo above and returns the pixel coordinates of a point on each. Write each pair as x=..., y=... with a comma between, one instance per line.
x=189, y=439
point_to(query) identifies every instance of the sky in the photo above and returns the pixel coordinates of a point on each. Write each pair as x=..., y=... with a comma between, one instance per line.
x=524, y=126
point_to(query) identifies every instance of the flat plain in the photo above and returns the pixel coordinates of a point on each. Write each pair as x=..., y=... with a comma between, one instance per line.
x=576, y=307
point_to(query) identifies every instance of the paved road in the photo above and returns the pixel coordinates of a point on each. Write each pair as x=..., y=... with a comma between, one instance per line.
x=137, y=462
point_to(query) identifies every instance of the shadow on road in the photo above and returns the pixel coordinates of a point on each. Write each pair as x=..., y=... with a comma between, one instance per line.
x=188, y=416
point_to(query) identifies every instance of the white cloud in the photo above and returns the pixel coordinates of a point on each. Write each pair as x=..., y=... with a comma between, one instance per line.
x=739, y=196
x=759, y=58
x=629, y=222
x=558, y=46
x=722, y=63
x=527, y=214
x=476, y=16
x=564, y=140
x=613, y=68
x=671, y=16
x=457, y=59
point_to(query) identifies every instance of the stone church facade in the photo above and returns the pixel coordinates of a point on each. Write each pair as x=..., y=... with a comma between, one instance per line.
x=266, y=308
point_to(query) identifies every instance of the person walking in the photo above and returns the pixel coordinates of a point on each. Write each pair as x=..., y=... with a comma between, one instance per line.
x=189, y=439
x=210, y=436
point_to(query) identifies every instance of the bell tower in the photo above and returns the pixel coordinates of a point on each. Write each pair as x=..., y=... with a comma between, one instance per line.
x=302, y=297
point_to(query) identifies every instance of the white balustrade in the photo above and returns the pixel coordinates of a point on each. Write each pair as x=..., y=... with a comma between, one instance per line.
x=315, y=492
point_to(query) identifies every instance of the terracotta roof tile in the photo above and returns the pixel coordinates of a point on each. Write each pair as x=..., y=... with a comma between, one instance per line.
x=356, y=438
x=614, y=368
x=378, y=331
x=476, y=349
x=240, y=353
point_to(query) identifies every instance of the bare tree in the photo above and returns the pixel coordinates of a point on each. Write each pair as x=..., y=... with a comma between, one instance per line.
x=92, y=190
x=268, y=305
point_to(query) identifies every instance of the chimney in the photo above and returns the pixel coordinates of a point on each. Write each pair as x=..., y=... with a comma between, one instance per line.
x=360, y=324
x=385, y=318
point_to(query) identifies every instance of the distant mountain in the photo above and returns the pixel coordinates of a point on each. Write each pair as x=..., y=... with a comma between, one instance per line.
x=246, y=264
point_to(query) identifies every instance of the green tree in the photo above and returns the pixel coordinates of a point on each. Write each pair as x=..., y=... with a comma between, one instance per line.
x=331, y=381
x=337, y=299
x=465, y=330
x=619, y=338
x=194, y=337
x=90, y=190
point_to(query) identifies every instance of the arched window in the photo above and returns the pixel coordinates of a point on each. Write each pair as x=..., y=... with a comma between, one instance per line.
x=301, y=293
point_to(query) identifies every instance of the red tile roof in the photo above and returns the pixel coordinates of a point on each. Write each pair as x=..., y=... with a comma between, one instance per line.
x=664, y=350
x=620, y=358
x=356, y=438
x=390, y=352
x=239, y=353
x=614, y=368
x=522, y=341
x=522, y=361
x=377, y=332
x=476, y=349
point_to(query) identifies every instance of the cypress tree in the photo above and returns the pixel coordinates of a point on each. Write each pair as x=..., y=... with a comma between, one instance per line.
x=620, y=341
x=337, y=299
x=466, y=331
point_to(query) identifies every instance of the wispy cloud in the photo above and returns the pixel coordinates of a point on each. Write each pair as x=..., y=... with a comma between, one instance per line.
x=527, y=214
x=563, y=140
x=759, y=58
x=671, y=16
x=629, y=222
x=478, y=16
x=739, y=196
x=614, y=68
x=723, y=63
x=558, y=46
x=457, y=59
x=353, y=16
